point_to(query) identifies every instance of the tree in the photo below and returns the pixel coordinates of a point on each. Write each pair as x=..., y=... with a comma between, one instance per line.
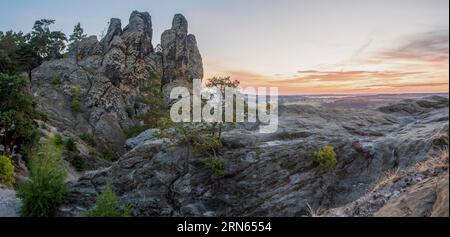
x=75, y=38
x=17, y=115
x=78, y=33
x=107, y=205
x=9, y=44
x=221, y=83
x=48, y=44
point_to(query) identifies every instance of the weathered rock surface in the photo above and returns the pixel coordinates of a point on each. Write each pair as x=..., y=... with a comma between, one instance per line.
x=273, y=175
x=428, y=198
x=181, y=57
x=115, y=76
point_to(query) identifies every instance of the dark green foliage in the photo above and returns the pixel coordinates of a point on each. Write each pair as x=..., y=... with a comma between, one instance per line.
x=75, y=104
x=108, y=156
x=77, y=162
x=10, y=42
x=71, y=145
x=133, y=131
x=57, y=140
x=55, y=80
x=78, y=33
x=6, y=171
x=151, y=95
x=23, y=52
x=44, y=192
x=17, y=114
x=48, y=44
x=107, y=205
x=216, y=166
x=89, y=139
x=326, y=157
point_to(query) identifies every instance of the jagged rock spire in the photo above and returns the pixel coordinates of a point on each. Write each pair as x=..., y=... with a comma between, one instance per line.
x=181, y=58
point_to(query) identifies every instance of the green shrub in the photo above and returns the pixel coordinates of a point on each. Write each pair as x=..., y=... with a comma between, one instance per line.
x=88, y=139
x=93, y=153
x=71, y=145
x=108, y=156
x=203, y=145
x=57, y=140
x=6, y=171
x=55, y=80
x=216, y=166
x=129, y=112
x=326, y=157
x=44, y=192
x=107, y=205
x=75, y=105
x=77, y=162
x=133, y=131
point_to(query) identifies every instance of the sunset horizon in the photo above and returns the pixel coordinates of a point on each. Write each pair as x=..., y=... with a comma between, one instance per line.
x=401, y=47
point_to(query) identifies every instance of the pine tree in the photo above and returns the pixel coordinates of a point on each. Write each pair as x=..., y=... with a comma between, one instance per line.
x=78, y=33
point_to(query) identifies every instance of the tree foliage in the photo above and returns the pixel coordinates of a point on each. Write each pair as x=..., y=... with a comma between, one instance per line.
x=17, y=114
x=221, y=83
x=21, y=52
x=107, y=205
x=78, y=33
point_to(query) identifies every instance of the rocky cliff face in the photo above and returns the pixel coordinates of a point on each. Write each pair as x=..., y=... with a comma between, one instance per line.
x=113, y=78
x=181, y=57
x=276, y=175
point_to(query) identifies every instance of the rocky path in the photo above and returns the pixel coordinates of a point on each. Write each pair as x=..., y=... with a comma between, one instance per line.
x=9, y=203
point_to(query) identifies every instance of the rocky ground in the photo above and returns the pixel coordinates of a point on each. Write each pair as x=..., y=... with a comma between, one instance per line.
x=9, y=203
x=275, y=175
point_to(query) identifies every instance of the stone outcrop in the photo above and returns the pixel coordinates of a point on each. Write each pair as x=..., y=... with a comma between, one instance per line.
x=276, y=174
x=181, y=57
x=117, y=77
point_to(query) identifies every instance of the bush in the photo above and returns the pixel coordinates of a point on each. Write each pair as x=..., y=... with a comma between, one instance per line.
x=55, y=80
x=133, y=131
x=108, y=156
x=71, y=145
x=88, y=139
x=77, y=162
x=6, y=171
x=326, y=157
x=107, y=205
x=75, y=105
x=216, y=166
x=44, y=192
x=57, y=140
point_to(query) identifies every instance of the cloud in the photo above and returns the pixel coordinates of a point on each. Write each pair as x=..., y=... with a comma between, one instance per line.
x=340, y=76
x=431, y=47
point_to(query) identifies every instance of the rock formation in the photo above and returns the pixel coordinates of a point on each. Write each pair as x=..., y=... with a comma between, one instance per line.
x=181, y=57
x=276, y=175
x=116, y=77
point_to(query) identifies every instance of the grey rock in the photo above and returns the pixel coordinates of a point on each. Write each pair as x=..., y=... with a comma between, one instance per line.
x=181, y=57
x=141, y=138
x=280, y=178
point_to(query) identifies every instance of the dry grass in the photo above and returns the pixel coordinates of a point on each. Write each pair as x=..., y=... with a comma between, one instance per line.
x=313, y=212
x=437, y=162
x=389, y=177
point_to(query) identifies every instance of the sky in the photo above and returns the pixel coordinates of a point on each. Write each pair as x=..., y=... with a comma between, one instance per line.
x=300, y=46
